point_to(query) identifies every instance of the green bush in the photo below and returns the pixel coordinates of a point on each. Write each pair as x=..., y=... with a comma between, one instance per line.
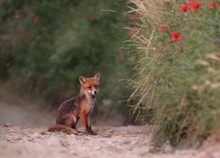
x=46, y=45
x=177, y=63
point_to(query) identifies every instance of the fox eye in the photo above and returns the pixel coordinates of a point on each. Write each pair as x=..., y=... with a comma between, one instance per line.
x=89, y=87
x=96, y=86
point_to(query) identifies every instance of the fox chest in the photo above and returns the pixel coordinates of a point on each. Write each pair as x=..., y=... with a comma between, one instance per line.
x=86, y=107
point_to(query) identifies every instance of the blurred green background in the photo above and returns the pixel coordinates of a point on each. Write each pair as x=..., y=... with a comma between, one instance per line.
x=45, y=45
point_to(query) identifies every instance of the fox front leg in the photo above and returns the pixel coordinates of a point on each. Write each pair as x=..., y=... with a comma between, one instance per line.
x=90, y=127
x=86, y=123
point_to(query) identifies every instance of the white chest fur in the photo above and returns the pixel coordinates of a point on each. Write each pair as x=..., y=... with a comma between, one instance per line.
x=91, y=103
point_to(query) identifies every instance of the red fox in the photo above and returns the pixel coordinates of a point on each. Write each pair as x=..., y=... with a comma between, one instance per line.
x=80, y=107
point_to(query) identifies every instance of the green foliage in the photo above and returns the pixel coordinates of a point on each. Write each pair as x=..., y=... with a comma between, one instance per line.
x=177, y=79
x=52, y=43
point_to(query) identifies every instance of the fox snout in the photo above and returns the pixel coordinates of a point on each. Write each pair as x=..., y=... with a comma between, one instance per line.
x=91, y=93
x=94, y=93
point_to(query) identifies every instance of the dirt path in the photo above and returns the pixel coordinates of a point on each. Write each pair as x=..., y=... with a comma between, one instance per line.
x=28, y=138
x=111, y=142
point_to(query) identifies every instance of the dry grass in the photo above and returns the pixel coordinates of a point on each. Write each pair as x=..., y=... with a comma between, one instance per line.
x=176, y=85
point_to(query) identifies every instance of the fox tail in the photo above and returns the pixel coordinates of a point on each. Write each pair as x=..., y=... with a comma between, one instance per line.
x=62, y=128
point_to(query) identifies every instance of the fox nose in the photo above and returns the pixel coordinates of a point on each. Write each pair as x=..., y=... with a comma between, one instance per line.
x=95, y=92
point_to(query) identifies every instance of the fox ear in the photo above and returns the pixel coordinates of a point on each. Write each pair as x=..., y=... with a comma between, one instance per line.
x=82, y=80
x=97, y=76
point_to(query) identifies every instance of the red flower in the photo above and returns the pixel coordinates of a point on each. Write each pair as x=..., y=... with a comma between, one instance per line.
x=132, y=18
x=184, y=8
x=121, y=58
x=212, y=5
x=92, y=18
x=176, y=36
x=194, y=6
x=191, y=4
x=17, y=15
x=36, y=19
x=138, y=14
x=163, y=27
x=132, y=32
x=197, y=5
x=137, y=24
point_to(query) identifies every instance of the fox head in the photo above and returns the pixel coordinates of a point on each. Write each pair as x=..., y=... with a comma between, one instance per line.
x=90, y=86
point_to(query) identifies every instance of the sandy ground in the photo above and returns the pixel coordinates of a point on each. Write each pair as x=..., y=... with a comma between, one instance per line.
x=23, y=134
x=111, y=142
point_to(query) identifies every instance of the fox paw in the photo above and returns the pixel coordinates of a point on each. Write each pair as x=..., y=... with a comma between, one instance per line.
x=90, y=133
